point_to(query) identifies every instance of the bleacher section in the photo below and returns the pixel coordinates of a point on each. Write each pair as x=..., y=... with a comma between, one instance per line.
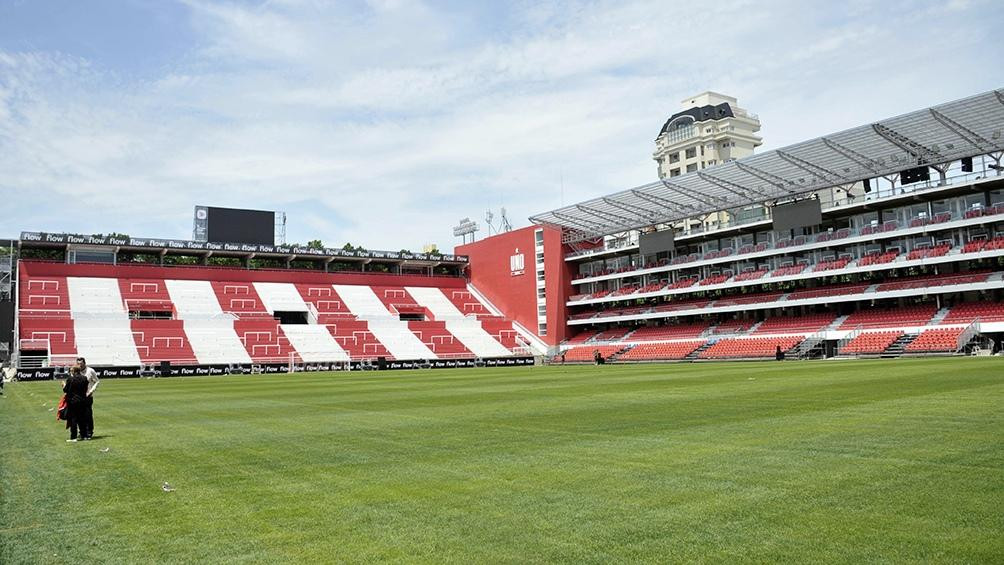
x=940, y=340
x=125, y=316
x=661, y=351
x=749, y=347
x=867, y=343
x=895, y=318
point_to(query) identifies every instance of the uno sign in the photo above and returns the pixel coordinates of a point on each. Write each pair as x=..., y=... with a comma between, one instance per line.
x=517, y=263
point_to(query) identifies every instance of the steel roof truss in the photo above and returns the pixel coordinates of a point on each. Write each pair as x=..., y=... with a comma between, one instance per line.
x=737, y=189
x=618, y=219
x=820, y=172
x=853, y=155
x=631, y=208
x=924, y=155
x=974, y=139
x=773, y=179
x=707, y=199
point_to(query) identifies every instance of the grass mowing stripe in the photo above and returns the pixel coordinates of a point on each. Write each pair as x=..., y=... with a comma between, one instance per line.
x=844, y=462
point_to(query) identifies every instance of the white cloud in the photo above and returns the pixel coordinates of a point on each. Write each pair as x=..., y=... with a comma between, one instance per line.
x=384, y=124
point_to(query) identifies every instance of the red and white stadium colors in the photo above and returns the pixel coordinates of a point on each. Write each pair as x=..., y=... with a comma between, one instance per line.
x=131, y=314
x=524, y=273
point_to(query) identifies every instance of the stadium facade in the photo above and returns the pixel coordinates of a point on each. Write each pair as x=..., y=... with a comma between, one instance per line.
x=886, y=240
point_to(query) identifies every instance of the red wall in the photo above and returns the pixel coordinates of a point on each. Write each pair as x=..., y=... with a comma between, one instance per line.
x=516, y=296
x=559, y=285
x=42, y=269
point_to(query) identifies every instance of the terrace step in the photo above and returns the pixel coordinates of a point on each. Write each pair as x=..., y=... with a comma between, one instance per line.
x=620, y=352
x=939, y=316
x=835, y=324
x=897, y=347
x=695, y=353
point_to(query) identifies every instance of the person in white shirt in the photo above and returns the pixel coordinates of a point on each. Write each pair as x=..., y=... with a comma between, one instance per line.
x=92, y=384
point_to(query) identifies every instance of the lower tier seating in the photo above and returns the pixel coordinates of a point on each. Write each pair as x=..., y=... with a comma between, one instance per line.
x=655, y=351
x=870, y=343
x=128, y=320
x=750, y=347
x=941, y=340
x=578, y=354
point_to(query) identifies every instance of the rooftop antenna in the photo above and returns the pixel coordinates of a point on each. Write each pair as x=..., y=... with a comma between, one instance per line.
x=504, y=225
x=489, y=216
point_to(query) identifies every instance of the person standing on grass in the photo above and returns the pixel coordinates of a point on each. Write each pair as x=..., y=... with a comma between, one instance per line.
x=75, y=388
x=92, y=384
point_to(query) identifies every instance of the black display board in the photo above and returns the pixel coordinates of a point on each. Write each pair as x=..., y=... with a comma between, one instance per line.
x=657, y=242
x=798, y=214
x=232, y=225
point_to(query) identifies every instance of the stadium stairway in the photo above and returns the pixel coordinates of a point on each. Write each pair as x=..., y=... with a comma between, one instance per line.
x=101, y=324
x=468, y=330
x=613, y=357
x=811, y=347
x=210, y=332
x=693, y=355
x=835, y=324
x=280, y=297
x=896, y=348
x=939, y=316
x=314, y=343
x=399, y=340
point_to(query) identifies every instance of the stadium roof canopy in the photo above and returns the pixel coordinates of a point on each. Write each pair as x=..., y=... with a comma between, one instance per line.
x=933, y=136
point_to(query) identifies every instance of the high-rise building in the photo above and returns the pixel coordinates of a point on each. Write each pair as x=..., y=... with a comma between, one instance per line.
x=711, y=129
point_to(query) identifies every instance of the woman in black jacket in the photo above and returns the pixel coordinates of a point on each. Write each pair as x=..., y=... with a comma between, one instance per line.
x=75, y=389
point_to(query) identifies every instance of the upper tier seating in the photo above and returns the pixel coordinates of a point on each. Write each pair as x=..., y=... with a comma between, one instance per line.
x=733, y=327
x=751, y=275
x=580, y=338
x=832, y=264
x=714, y=279
x=832, y=290
x=934, y=280
x=894, y=318
x=970, y=311
x=682, y=283
x=808, y=324
x=929, y=252
x=877, y=258
x=680, y=331
x=789, y=270
x=613, y=334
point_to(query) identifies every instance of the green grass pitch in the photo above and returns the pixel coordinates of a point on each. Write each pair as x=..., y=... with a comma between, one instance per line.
x=846, y=461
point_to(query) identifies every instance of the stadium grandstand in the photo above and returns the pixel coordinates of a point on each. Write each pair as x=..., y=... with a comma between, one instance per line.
x=883, y=240
x=175, y=313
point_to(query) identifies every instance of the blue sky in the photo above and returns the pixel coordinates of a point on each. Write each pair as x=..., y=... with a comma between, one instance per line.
x=384, y=122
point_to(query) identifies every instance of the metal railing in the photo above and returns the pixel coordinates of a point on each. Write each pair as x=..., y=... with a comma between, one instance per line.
x=849, y=337
x=967, y=335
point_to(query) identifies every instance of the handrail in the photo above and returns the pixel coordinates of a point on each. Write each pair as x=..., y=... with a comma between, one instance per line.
x=967, y=334
x=849, y=337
